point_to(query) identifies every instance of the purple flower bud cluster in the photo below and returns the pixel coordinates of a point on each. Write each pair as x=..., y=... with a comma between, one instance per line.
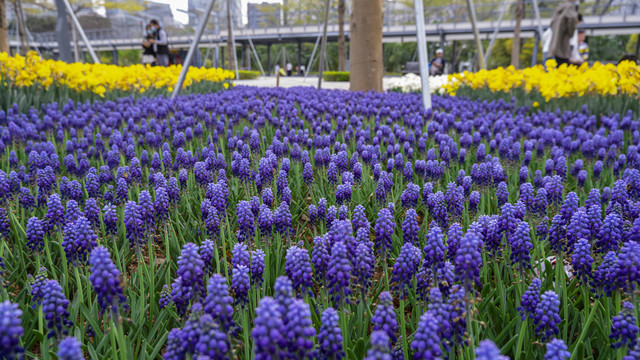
x=557, y=350
x=530, y=299
x=624, y=330
x=385, y=316
x=70, y=349
x=11, y=330
x=105, y=278
x=385, y=227
x=54, y=308
x=298, y=269
x=547, y=316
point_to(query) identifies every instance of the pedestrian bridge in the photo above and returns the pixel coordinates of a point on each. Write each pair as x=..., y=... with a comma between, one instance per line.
x=443, y=23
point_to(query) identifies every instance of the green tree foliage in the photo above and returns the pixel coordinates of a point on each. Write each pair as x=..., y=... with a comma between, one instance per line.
x=609, y=48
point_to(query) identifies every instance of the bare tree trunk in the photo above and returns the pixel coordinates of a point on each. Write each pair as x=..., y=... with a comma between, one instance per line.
x=342, y=54
x=366, y=45
x=4, y=33
x=230, y=41
x=515, y=50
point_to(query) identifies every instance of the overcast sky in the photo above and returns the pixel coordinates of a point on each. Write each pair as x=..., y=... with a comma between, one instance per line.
x=182, y=5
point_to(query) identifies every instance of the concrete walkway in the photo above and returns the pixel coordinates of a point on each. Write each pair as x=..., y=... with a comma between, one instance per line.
x=286, y=82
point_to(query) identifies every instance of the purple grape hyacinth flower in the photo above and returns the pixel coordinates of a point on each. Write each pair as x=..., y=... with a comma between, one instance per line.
x=11, y=330
x=330, y=336
x=582, y=261
x=298, y=269
x=240, y=284
x=530, y=299
x=624, y=330
x=257, y=267
x=206, y=253
x=557, y=350
x=434, y=251
x=268, y=330
x=191, y=271
x=218, y=303
x=468, y=261
x=35, y=234
x=380, y=347
x=487, y=350
x=105, y=279
x=70, y=349
x=521, y=244
x=299, y=330
x=410, y=227
x=405, y=267
x=212, y=343
x=547, y=318
x=385, y=227
x=426, y=342
x=339, y=274
x=363, y=266
x=628, y=266
x=54, y=308
x=240, y=255
x=165, y=297
x=134, y=224
x=79, y=240
x=385, y=316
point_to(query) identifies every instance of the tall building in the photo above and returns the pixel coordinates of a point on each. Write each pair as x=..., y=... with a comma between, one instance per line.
x=263, y=15
x=196, y=7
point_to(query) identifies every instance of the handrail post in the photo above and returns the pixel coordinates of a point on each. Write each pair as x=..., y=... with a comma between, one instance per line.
x=81, y=31
x=192, y=50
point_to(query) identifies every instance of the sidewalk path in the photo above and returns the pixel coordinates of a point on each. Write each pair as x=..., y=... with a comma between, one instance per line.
x=285, y=81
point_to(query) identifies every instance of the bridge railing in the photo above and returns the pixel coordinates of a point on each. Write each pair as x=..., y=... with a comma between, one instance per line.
x=395, y=16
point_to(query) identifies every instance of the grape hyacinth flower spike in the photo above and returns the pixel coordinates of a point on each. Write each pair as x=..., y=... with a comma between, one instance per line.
x=624, y=330
x=105, y=279
x=380, y=346
x=546, y=318
x=330, y=336
x=487, y=350
x=557, y=350
x=70, y=349
x=11, y=330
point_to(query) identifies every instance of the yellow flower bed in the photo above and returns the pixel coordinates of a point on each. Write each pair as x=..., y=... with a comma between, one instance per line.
x=24, y=71
x=555, y=82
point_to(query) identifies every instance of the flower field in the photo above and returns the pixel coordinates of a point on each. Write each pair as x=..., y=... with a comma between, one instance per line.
x=30, y=80
x=302, y=224
x=556, y=82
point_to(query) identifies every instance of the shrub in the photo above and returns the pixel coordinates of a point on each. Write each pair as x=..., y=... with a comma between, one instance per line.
x=335, y=76
x=248, y=74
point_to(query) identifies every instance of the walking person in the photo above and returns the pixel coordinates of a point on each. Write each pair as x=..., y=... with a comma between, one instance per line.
x=563, y=27
x=160, y=44
x=436, y=67
x=148, y=54
x=289, y=69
